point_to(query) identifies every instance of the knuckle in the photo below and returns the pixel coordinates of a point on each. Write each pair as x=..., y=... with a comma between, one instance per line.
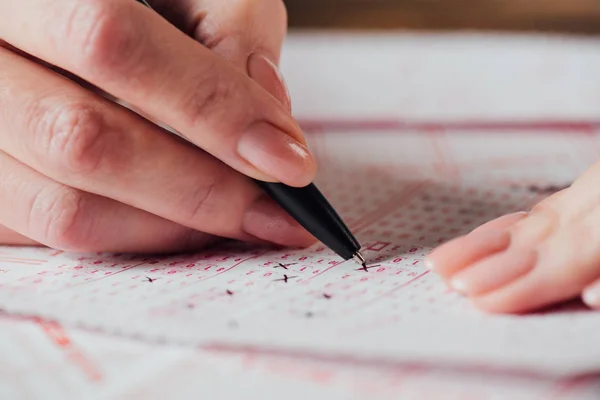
x=280, y=7
x=214, y=96
x=276, y=9
x=200, y=204
x=100, y=39
x=245, y=23
x=72, y=138
x=57, y=216
x=548, y=207
x=209, y=38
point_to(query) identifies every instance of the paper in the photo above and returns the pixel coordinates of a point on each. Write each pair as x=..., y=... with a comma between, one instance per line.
x=43, y=360
x=402, y=192
x=374, y=106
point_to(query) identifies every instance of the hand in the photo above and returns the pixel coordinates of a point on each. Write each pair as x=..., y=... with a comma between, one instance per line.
x=80, y=173
x=526, y=261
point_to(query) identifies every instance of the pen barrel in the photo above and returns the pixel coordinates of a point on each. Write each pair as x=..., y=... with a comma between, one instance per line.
x=310, y=208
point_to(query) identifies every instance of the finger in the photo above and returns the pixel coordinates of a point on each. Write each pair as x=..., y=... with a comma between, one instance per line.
x=88, y=143
x=68, y=219
x=461, y=252
x=556, y=268
x=248, y=33
x=235, y=29
x=10, y=237
x=134, y=54
x=591, y=295
x=482, y=242
x=501, y=223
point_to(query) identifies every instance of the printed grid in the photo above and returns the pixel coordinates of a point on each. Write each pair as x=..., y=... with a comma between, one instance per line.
x=400, y=205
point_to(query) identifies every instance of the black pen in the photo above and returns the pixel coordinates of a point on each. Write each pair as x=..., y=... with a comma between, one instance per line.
x=311, y=209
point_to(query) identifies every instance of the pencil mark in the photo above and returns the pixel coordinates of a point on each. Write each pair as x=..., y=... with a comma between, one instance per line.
x=366, y=269
x=284, y=266
x=151, y=279
x=327, y=296
x=229, y=292
x=285, y=278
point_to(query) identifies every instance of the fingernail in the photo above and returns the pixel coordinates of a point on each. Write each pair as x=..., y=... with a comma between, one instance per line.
x=266, y=74
x=267, y=221
x=591, y=295
x=494, y=272
x=277, y=154
x=428, y=264
x=460, y=253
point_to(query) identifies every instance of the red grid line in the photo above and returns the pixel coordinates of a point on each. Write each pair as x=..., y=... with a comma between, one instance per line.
x=398, y=125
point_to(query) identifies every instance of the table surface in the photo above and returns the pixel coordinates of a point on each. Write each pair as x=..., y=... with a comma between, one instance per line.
x=572, y=16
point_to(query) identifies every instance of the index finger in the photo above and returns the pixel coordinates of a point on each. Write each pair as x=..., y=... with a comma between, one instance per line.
x=134, y=54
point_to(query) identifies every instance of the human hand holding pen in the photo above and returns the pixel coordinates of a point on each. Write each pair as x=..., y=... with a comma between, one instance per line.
x=80, y=173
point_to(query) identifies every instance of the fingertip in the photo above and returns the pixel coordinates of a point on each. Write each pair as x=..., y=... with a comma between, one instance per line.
x=441, y=258
x=459, y=285
x=429, y=265
x=460, y=253
x=495, y=272
x=266, y=74
x=591, y=295
x=277, y=154
x=440, y=253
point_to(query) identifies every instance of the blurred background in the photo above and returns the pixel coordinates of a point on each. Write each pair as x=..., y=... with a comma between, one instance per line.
x=564, y=16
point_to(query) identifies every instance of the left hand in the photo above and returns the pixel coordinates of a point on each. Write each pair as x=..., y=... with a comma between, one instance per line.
x=530, y=260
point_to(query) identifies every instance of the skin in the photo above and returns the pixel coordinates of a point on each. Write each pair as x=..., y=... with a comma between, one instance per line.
x=528, y=261
x=81, y=173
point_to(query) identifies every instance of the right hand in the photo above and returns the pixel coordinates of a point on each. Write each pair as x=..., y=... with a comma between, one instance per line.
x=80, y=173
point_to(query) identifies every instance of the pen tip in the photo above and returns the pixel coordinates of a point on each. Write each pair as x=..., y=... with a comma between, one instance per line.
x=360, y=259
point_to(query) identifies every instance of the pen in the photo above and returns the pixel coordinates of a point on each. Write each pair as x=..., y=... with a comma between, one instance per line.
x=310, y=208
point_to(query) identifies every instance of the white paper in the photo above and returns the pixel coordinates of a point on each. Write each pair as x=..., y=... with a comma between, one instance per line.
x=42, y=360
x=372, y=106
